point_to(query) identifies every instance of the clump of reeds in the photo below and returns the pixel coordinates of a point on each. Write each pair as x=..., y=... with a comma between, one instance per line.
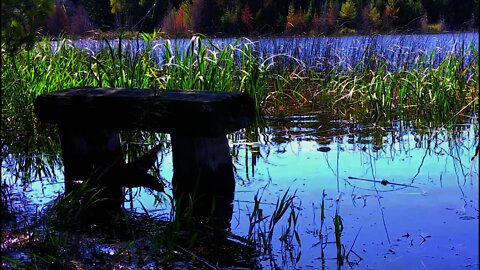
x=372, y=90
x=371, y=86
x=262, y=228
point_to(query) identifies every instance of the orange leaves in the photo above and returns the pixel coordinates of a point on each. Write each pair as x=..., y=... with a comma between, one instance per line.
x=178, y=21
x=247, y=17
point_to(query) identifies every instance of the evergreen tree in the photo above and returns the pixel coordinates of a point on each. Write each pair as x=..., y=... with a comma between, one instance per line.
x=348, y=13
x=435, y=9
x=409, y=14
x=460, y=13
x=390, y=13
x=374, y=18
x=332, y=14
x=100, y=13
x=242, y=16
x=307, y=18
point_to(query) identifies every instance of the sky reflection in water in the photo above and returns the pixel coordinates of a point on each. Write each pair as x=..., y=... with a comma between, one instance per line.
x=431, y=225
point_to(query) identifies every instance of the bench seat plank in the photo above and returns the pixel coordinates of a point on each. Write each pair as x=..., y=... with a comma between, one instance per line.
x=196, y=113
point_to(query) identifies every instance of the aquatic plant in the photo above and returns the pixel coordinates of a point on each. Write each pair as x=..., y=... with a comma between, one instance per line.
x=262, y=228
x=72, y=208
x=422, y=89
x=372, y=85
x=203, y=65
x=281, y=207
x=338, y=226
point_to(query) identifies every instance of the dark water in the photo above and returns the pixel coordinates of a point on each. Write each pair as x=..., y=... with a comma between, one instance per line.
x=426, y=217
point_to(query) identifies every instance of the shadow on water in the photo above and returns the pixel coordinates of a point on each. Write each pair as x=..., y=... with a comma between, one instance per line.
x=311, y=192
x=44, y=227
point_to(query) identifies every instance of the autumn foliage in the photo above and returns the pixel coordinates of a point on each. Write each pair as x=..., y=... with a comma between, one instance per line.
x=58, y=21
x=258, y=17
x=247, y=17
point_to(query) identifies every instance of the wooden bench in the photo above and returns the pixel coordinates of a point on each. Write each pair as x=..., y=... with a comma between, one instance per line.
x=198, y=121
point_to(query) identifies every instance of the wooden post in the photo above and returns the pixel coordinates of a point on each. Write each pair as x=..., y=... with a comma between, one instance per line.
x=203, y=172
x=86, y=153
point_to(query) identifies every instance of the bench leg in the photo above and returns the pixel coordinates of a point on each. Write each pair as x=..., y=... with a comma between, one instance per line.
x=85, y=150
x=203, y=171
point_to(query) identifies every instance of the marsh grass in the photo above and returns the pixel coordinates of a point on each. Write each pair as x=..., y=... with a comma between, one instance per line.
x=372, y=85
x=263, y=227
x=369, y=90
x=35, y=151
x=423, y=89
x=342, y=255
x=338, y=226
x=72, y=208
x=236, y=67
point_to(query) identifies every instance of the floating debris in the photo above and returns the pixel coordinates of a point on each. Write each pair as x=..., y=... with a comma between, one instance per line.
x=383, y=182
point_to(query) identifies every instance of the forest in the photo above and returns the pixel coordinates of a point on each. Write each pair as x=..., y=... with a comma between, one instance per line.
x=238, y=17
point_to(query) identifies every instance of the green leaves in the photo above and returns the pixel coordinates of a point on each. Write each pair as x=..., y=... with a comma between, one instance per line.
x=348, y=11
x=368, y=91
x=19, y=22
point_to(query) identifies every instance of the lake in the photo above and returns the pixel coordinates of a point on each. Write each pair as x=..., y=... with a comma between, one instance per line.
x=425, y=216
x=396, y=195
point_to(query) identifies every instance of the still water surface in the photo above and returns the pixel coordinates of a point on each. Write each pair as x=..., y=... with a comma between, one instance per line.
x=425, y=218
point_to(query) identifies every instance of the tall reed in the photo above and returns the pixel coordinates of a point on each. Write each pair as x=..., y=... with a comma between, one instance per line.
x=372, y=91
x=373, y=85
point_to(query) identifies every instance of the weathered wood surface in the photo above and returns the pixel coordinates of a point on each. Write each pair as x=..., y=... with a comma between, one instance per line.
x=203, y=173
x=198, y=121
x=189, y=112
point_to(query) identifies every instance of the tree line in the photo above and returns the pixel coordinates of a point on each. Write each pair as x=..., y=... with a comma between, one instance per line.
x=240, y=17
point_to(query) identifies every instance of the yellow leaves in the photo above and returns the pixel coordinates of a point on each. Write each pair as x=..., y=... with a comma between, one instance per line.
x=117, y=6
x=348, y=11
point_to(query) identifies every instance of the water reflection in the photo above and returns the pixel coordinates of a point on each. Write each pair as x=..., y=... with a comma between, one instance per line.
x=426, y=214
x=428, y=218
